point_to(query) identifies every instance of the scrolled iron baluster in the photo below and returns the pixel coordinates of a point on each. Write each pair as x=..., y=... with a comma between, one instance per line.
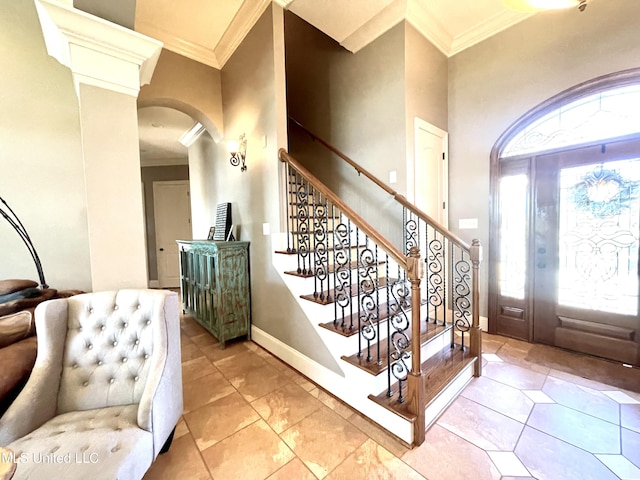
x=367, y=287
x=411, y=231
x=304, y=240
x=400, y=351
x=435, y=276
x=320, y=232
x=342, y=272
x=462, y=300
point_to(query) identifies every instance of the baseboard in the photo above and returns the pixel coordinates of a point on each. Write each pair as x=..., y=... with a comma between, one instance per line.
x=343, y=387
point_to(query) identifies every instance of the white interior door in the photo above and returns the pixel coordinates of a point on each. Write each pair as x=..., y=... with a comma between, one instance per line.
x=431, y=175
x=172, y=213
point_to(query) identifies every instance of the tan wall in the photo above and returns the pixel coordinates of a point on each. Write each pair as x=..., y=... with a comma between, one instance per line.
x=150, y=175
x=355, y=102
x=252, y=103
x=41, y=172
x=188, y=86
x=495, y=82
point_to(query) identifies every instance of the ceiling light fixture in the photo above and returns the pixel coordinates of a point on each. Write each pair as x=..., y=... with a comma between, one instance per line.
x=538, y=5
x=238, y=150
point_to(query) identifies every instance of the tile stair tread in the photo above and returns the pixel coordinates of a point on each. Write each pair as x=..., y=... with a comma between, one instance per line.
x=439, y=370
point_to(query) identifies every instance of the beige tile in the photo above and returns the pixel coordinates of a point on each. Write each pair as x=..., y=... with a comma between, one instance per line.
x=302, y=381
x=190, y=327
x=371, y=461
x=323, y=440
x=583, y=399
x=181, y=429
x=631, y=445
x=253, y=453
x=220, y=419
x=203, y=390
x=332, y=402
x=239, y=364
x=619, y=465
x=183, y=460
x=285, y=406
x=294, y=470
x=378, y=434
x=205, y=340
x=445, y=456
x=196, y=368
x=630, y=417
x=585, y=382
x=491, y=343
x=518, y=353
x=583, y=431
x=502, y=398
x=185, y=340
x=548, y=458
x=190, y=351
x=215, y=353
x=481, y=426
x=258, y=382
x=515, y=376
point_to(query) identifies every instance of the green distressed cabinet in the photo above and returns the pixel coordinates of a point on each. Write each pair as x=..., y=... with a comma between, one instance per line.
x=214, y=283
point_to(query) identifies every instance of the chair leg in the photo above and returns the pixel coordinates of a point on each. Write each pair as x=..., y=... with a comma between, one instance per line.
x=167, y=444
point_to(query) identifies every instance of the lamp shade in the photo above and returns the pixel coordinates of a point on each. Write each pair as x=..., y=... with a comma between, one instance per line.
x=537, y=5
x=233, y=145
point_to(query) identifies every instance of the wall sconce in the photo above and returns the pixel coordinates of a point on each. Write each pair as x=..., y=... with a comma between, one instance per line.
x=238, y=150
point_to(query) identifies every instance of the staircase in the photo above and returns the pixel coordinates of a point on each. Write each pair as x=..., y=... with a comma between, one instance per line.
x=402, y=322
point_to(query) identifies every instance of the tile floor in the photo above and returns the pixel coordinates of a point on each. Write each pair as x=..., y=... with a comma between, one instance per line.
x=537, y=412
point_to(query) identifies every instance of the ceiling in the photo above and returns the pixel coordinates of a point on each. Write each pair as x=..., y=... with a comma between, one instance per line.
x=208, y=31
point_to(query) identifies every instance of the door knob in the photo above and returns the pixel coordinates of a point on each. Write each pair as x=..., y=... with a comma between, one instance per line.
x=162, y=249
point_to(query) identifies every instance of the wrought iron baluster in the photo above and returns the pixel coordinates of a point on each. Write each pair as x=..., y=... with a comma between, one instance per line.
x=435, y=277
x=462, y=300
x=342, y=273
x=368, y=287
x=303, y=234
x=400, y=349
x=320, y=207
x=290, y=173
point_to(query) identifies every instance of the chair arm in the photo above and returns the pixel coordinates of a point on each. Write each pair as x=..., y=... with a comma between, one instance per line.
x=37, y=402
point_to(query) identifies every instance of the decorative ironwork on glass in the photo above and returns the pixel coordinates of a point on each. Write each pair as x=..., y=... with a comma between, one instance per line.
x=609, y=114
x=599, y=232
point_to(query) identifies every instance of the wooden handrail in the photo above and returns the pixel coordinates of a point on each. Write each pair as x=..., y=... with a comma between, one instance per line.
x=401, y=199
x=382, y=242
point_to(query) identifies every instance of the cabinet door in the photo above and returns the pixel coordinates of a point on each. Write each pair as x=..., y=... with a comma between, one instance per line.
x=233, y=285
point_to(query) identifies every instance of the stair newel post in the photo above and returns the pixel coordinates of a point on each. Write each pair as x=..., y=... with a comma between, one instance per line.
x=415, y=379
x=476, y=331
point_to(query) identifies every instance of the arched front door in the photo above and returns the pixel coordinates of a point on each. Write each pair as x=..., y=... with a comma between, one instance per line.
x=565, y=217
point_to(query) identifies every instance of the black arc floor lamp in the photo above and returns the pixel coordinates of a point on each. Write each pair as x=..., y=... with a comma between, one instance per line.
x=10, y=216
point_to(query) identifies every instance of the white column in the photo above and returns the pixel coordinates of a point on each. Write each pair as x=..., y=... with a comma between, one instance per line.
x=108, y=63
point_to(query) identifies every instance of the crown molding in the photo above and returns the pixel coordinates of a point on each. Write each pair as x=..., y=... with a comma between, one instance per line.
x=486, y=29
x=247, y=16
x=425, y=22
x=98, y=52
x=388, y=18
x=177, y=45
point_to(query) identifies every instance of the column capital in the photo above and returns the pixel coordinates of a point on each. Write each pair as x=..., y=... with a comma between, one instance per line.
x=98, y=52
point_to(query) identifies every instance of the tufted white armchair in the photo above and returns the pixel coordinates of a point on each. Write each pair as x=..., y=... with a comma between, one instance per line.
x=105, y=393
